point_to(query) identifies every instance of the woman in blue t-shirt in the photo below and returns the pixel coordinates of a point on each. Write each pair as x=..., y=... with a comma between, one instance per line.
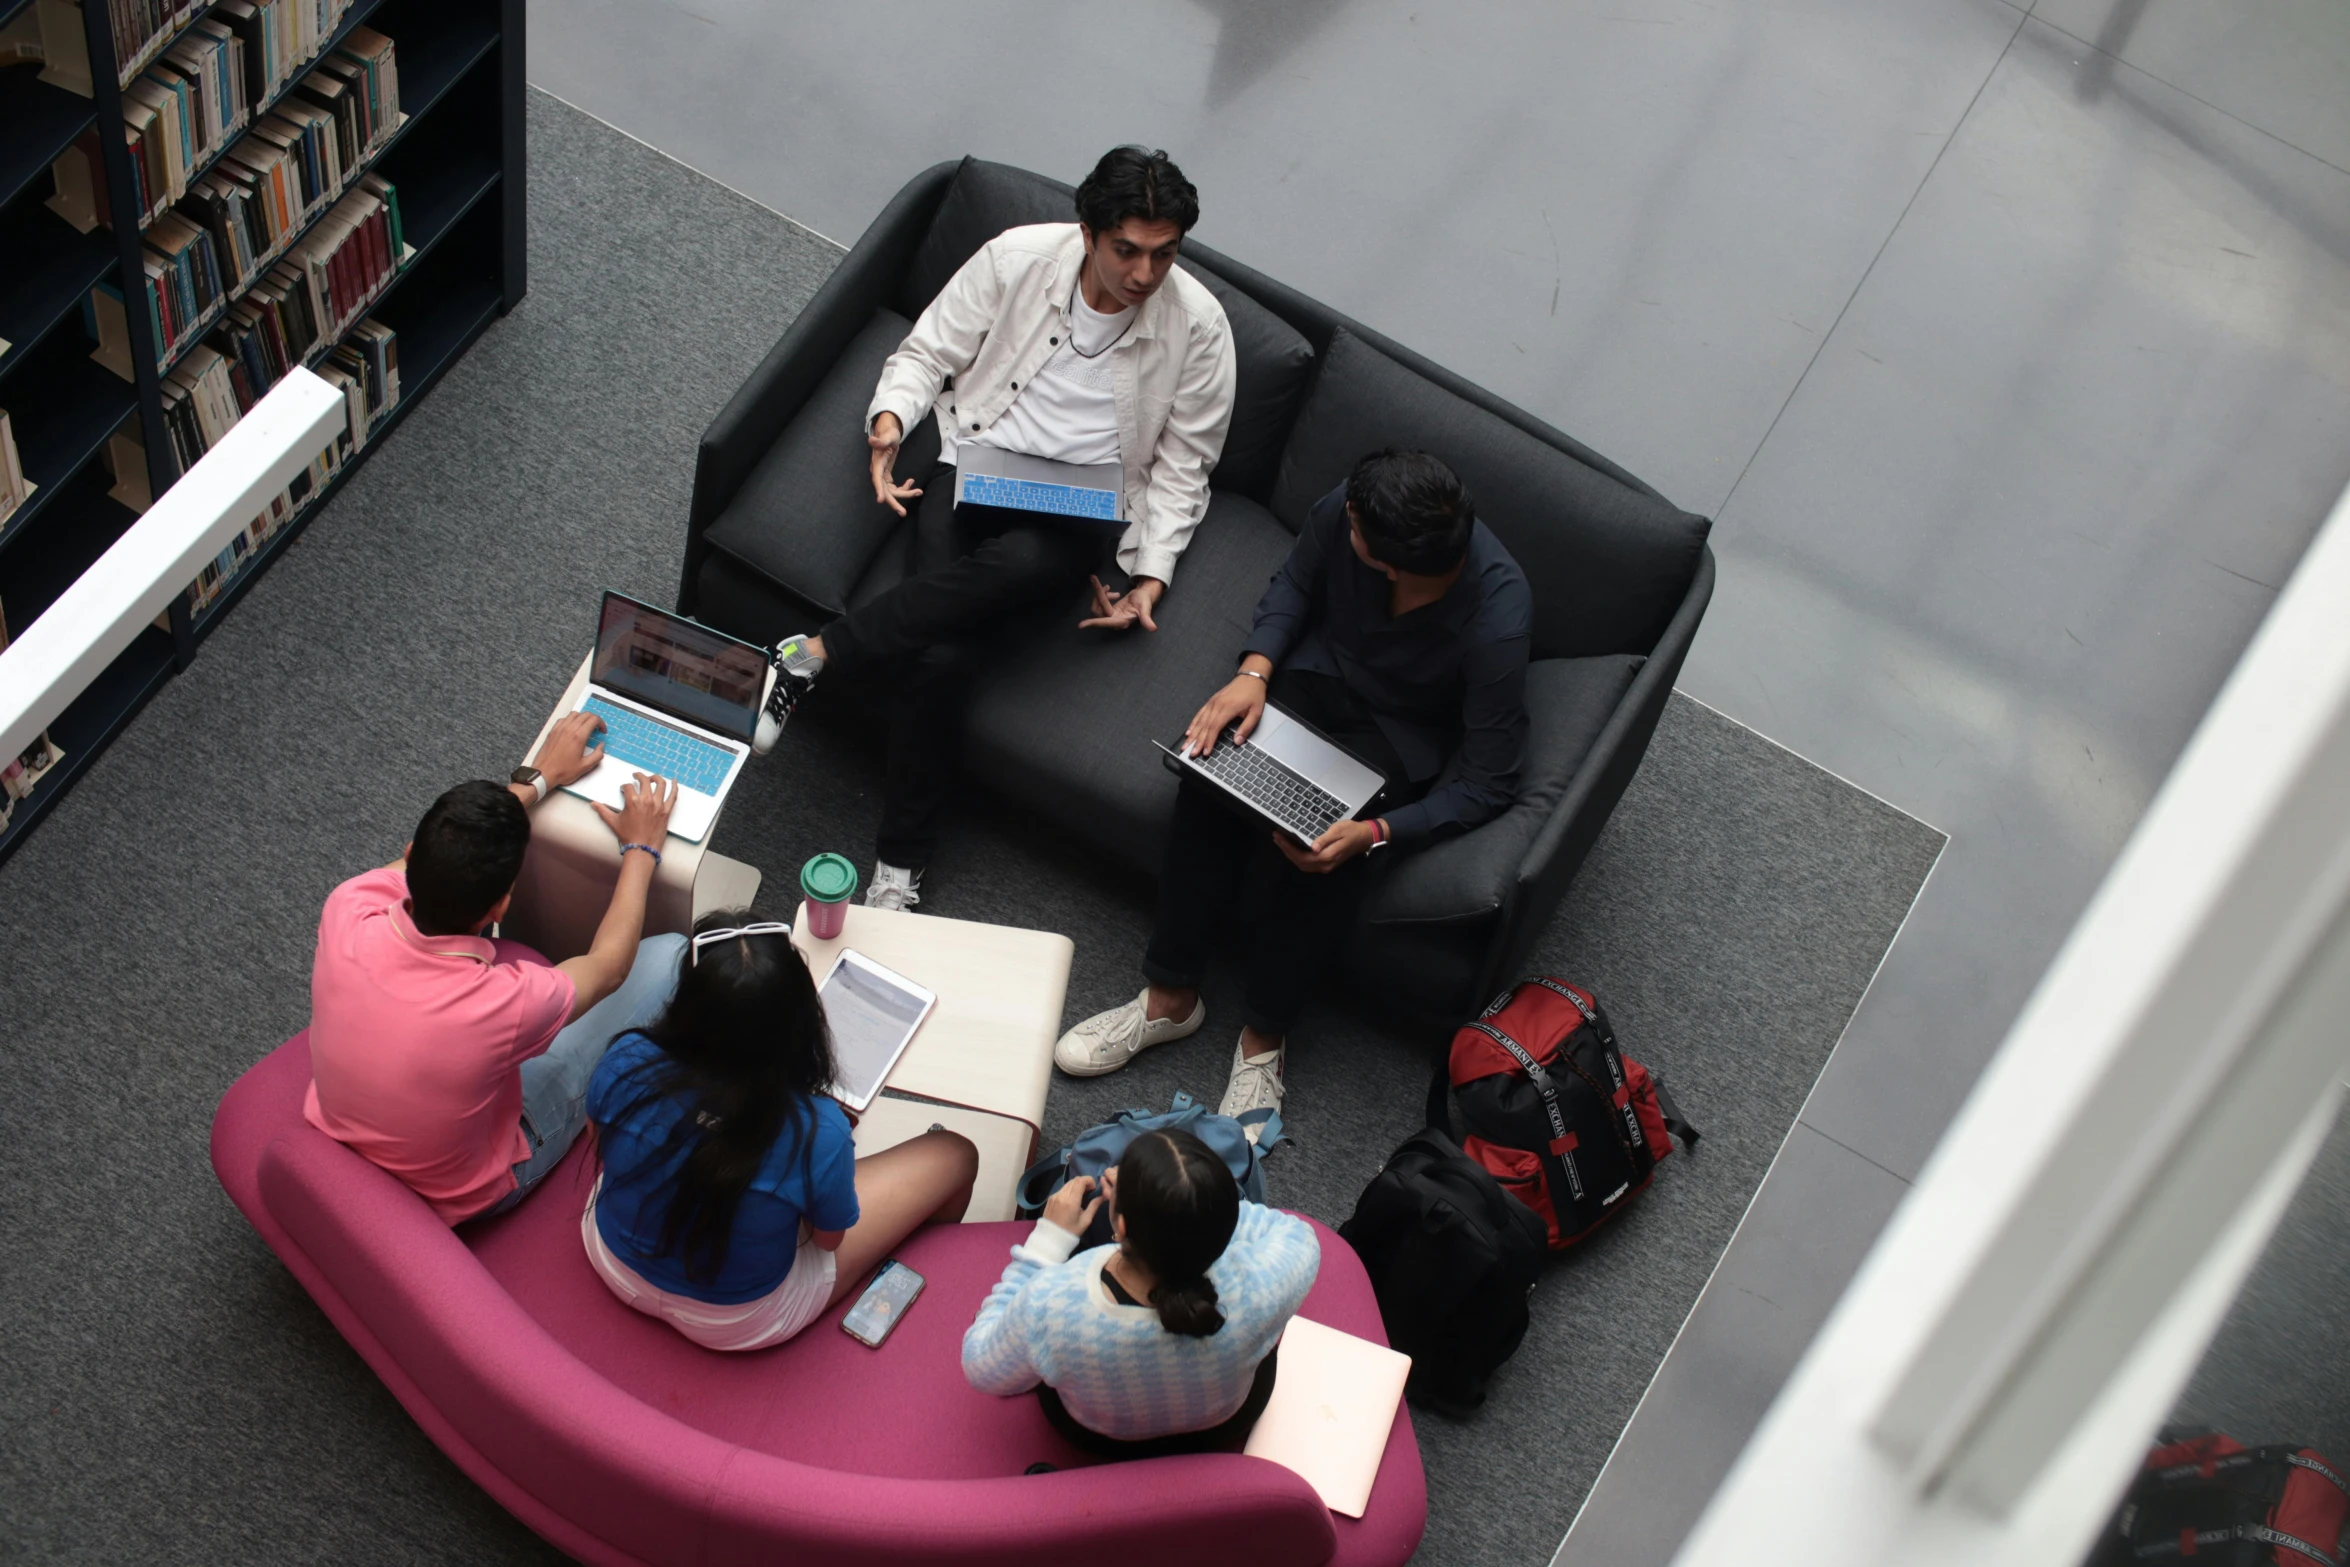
x=732, y=1203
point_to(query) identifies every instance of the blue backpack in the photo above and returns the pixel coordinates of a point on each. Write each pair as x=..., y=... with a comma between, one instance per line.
x=1100, y=1147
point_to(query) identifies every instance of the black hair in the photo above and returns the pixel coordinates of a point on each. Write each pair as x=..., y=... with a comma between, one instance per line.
x=1413, y=509
x=1136, y=182
x=465, y=856
x=1180, y=1204
x=744, y=1052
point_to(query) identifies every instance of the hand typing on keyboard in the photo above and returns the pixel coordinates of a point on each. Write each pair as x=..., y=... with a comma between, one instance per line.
x=643, y=817
x=571, y=751
x=1232, y=713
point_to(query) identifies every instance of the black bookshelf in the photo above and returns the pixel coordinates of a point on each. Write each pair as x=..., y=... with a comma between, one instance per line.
x=37, y=122
x=457, y=164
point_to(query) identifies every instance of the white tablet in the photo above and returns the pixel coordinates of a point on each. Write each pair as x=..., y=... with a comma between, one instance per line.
x=873, y=1013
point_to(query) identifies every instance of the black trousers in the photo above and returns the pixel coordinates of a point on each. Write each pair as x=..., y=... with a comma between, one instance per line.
x=1305, y=916
x=973, y=566
x=1224, y=1438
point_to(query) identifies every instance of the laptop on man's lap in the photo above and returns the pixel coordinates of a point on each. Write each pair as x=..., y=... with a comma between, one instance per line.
x=1081, y=492
x=1286, y=773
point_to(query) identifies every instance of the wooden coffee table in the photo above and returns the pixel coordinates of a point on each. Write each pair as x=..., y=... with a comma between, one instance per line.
x=984, y=1057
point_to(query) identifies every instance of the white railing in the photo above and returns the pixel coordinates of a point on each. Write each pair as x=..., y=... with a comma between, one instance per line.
x=51, y=661
x=1991, y=1378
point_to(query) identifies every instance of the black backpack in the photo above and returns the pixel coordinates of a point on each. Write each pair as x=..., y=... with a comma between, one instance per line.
x=1452, y=1258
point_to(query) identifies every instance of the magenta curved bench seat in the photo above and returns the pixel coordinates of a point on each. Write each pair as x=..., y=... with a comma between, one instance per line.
x=622, y=1443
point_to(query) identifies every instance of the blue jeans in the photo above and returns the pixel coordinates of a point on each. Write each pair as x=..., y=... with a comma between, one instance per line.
x=555, y=1082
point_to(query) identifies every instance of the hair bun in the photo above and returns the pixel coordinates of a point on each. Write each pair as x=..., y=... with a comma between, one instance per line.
x=1189, y=1309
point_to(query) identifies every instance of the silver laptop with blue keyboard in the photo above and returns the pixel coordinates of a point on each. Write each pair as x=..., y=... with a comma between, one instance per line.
x=677, y=699
x=1079, y=491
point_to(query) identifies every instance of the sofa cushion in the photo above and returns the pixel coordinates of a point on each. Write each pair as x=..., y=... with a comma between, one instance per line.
x=1568, y=702
x=1064, y=723
x=805, y=519
x=1272, y=362
x=1272, y=365
x=985, y=199
x=1608, y=564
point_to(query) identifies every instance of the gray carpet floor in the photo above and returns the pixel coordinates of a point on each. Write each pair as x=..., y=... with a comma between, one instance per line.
x=168, y=1394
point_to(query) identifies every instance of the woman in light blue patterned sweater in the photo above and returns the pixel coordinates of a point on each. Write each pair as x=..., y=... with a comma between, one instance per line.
x=1164, y=1342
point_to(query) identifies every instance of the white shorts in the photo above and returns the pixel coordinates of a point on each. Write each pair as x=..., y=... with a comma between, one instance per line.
x=753, y=1324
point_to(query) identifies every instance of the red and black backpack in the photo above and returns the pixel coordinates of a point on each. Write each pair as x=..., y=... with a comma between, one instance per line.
x=1567, y=1123
x=2209, y=1497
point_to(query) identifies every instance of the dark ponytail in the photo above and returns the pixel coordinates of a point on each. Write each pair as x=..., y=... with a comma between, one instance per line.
x=1180, y=1204
x=1189, y=1309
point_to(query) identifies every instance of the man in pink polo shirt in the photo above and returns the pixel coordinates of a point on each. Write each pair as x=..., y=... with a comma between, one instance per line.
x=461, y=1063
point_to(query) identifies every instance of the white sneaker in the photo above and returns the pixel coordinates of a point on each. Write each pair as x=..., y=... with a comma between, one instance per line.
x=794, y=674
x=1255, y=1085
x=894, y=888
x=1108, y=1040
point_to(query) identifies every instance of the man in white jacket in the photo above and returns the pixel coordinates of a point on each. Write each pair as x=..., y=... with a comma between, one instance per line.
x=1080, y=342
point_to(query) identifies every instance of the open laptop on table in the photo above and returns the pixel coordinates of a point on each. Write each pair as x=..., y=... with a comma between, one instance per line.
x=677, y=699
x=1286, y=773
x=1093, y=492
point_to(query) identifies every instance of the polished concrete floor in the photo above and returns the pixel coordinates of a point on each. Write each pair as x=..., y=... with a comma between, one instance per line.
x=2009, y=345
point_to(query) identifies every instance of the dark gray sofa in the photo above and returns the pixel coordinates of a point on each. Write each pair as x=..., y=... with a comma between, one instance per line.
x=784, y=534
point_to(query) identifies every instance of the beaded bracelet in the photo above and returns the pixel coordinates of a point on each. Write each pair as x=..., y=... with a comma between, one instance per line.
x=648, y=848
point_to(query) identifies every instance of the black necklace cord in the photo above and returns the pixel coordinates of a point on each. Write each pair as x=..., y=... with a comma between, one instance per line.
x=1072, y=316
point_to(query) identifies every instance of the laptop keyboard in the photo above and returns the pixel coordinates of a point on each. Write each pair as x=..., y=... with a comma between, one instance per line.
x=1273, y=789
x=651, y=746
x=1061, y=500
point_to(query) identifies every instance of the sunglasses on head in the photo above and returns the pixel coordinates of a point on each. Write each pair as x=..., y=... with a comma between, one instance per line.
x=762, y=928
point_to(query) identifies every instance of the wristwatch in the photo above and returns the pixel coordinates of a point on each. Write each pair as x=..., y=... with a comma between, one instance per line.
x=527, y=774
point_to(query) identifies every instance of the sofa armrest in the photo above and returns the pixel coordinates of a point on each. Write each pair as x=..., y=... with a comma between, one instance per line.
x=757, y=413
x=1570, y=705
x=1558, y=851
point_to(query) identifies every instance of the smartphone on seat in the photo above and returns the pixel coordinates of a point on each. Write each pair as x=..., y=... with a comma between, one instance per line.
x=885, y=1300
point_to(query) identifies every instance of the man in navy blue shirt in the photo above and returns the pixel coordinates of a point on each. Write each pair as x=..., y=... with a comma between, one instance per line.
x=1398, y=627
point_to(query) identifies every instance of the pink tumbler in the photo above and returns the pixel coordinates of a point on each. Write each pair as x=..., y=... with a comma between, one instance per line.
x=827, y=882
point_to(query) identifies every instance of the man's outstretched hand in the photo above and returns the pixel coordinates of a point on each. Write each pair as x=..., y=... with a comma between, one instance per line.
x=1124, y=611
x=884, y=438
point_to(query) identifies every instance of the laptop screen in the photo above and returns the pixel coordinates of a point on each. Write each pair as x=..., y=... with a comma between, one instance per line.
x=685, y=670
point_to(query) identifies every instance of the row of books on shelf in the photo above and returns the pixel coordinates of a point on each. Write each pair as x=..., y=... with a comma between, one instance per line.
x=209, y=392
x=19, y=773
x=328, y=279
x=205, y=397
x=280, y=33
x=15, y=488
x=142, y=30
x=177, y=115
x=183, y=118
